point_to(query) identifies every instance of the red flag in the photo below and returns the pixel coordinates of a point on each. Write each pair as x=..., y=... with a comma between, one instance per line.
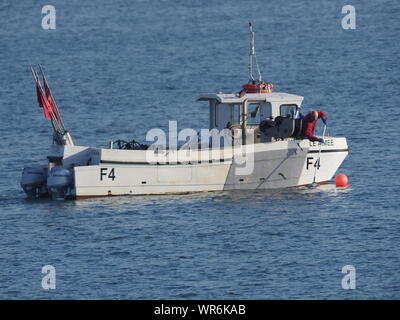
x=43, y=102
x=49, y=98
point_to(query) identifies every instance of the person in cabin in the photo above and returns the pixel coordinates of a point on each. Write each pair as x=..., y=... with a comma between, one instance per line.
x=309, y=123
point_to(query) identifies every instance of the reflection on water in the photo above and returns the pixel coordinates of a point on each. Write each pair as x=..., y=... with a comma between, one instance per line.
x=247, y=197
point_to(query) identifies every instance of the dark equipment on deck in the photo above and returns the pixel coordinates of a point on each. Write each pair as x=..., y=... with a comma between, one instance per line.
x=130, y=145
x=281, y=127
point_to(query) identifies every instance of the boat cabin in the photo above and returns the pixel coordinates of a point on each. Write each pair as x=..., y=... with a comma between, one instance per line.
x=259, y=117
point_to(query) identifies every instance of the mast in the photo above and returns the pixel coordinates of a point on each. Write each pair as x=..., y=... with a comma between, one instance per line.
x=252, y=55
x=254, y=85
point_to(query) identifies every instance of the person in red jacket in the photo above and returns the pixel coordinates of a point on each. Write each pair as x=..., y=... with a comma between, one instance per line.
x=309, y=123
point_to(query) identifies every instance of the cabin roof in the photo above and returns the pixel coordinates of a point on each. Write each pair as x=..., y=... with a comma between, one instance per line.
x=234, y=97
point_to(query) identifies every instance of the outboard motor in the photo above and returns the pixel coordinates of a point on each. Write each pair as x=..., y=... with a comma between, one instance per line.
x=33, y=181
x=58, y=182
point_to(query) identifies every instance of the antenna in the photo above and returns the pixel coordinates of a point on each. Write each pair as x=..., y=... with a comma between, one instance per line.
x=252, y=55
x=259, y=85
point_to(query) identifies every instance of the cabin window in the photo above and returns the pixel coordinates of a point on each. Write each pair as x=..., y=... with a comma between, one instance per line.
x=265, y=111
x=236, y=114
x=222, y=115
x=289, y=110
x=253, y=114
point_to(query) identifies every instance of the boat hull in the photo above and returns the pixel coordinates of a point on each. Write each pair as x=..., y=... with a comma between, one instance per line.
x=281, y=164
x=274, y=165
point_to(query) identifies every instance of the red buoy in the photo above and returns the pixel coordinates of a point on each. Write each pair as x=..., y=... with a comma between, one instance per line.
x=341, y=181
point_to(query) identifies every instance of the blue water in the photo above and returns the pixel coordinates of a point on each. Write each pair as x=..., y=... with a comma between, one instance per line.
x=120, y=68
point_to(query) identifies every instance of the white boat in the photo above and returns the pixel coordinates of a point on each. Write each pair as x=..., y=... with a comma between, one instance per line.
x=254, y=141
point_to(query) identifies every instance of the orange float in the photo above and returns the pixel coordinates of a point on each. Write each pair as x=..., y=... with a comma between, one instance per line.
x=341, y=181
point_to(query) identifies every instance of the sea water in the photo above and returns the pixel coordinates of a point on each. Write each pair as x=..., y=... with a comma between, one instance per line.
x=120, y=68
